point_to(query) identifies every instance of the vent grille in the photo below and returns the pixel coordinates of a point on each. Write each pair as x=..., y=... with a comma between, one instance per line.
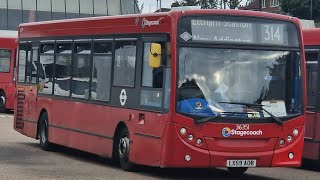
x=20, y=104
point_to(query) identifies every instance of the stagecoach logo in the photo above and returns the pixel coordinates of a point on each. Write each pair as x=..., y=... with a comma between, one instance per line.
x=198, y=105
x=123, y=97
x=150, y=23
x=241, y=130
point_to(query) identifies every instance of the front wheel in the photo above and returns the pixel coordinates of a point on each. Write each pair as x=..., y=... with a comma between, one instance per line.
x=43, y=133
x=124, y=150
x=236, y=172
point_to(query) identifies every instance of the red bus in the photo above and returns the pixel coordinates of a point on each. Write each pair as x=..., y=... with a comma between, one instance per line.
x=8, y=48
x=311, y=39
x=199, y=88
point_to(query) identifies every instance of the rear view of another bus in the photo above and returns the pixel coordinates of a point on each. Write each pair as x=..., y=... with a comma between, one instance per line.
x=311, y=39
x=8, y=46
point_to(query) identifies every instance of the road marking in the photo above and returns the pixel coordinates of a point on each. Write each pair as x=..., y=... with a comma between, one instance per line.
x=6, y=116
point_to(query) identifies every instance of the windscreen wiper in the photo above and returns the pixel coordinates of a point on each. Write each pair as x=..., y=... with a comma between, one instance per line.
x=248, y=105
x=206, y=119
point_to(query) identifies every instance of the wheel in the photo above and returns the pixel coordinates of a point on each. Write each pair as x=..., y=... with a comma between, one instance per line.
x=2, y=102
x=43, y=133
x=123, y=150
x=236, y=172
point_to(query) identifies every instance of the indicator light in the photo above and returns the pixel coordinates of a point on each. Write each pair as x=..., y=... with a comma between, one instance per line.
x=187, y=158
x=289, y=138
x=190, y=137
x=295, y=132
x=281, y=142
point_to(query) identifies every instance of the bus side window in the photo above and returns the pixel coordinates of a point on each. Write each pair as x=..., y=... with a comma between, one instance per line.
x=22, y=62
x=312, y=79
x=152, y=78
x=81, y=70
x=5, y=56
x=62, y=71
x=46, y=65
x=101, y=73
x=124, y=63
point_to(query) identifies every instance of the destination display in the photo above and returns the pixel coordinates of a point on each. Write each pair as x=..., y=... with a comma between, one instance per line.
x=232, y=31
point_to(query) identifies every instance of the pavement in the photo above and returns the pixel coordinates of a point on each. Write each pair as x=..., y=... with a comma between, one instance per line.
x=22, y=159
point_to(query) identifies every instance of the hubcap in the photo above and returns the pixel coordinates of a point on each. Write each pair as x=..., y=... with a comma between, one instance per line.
x=2, y=101
x=124, y=148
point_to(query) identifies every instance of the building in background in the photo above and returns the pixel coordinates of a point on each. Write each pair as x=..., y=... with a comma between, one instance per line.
x=272, y=6
x=14, y=12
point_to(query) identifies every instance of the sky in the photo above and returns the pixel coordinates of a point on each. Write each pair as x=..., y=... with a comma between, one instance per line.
x=151, y=5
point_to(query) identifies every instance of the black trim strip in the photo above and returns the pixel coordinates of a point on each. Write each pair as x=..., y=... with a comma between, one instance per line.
x=80, y=131
x=147, y=135
x=311, y=140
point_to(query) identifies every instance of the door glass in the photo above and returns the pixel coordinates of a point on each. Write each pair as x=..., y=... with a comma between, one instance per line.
x=312, y=79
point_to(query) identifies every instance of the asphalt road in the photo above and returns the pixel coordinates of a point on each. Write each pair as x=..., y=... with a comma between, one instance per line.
x=21, y=158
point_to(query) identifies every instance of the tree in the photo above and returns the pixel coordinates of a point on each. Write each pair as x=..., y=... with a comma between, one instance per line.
x=301, y=8
x=208, y=4
x=205, y=4
x=233, y=3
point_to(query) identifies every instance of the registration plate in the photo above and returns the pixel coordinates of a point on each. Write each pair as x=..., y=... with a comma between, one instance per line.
x=241, y=163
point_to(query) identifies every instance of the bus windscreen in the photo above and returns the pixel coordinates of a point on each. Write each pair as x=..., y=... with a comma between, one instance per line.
x=238, y=30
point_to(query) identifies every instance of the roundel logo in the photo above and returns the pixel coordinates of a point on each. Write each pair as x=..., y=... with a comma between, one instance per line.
x=226, y=132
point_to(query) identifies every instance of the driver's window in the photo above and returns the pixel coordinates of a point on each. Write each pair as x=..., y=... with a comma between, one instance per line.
x=152, y=79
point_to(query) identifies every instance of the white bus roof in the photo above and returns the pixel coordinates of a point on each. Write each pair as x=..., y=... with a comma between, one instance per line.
x=8, y=34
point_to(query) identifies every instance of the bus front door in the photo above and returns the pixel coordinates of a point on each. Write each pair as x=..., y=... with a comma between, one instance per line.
x=312, y=133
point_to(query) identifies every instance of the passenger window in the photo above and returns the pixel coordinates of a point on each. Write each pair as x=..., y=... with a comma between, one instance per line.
x=63, y=69
x=125, y=63
x=81, y=71
x=46, y=67
x=101, y=74
x=152, y=79
x=23, y=48
x=5, y=56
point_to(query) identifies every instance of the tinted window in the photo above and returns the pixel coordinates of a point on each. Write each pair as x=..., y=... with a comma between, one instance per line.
x=312, y=79
x=125, y=62
x=81, y=71
x=62, y=69
x=5, y=60
x=101, y=75
x=46, y=67
x=22, y=62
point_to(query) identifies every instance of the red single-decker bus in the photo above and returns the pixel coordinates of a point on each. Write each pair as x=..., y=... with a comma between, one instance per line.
x=8, y=47
x=311, y=38
x=198, y=88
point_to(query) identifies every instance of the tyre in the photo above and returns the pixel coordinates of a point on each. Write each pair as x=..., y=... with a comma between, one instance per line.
x=236, y=172
x=3, y=100
x=123, y=150
x=43, y=133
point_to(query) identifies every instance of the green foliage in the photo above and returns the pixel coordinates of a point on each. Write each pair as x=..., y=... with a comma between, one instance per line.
x=207, y=4
x=301, y=8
